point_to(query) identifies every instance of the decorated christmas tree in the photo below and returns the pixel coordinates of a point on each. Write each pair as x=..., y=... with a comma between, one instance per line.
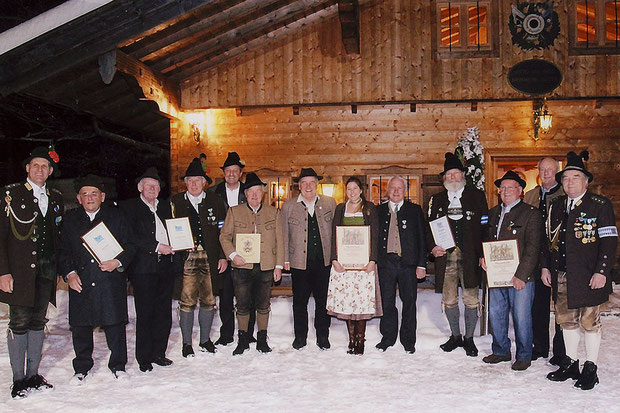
x=470, y=152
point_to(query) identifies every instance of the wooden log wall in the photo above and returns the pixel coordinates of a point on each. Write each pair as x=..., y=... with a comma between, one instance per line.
x=309, y=64
x=337, y=142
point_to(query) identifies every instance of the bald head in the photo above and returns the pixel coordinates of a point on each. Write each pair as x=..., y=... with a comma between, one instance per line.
x=547, y=168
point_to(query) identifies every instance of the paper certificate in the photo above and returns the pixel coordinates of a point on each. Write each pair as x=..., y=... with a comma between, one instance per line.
x=502, y=259
x=180, y=234
x=248, y=246
x=442, y=233
x=353, y=246
x=100, y=242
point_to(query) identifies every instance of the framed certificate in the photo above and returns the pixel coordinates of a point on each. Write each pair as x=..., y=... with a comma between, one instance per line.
x=502, y=259
x=100, y=242
x=442, y=233
x=353, y=246
x=180, y=234
x=248, y=246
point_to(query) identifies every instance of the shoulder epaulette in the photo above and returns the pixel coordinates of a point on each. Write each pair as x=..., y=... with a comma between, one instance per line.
x=598, y=199
x=16, y=184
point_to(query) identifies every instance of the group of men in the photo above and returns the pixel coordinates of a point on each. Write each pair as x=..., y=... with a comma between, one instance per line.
x=566, y=243
x=566, y=240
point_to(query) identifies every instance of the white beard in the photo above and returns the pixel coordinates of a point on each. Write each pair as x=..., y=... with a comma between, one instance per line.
x=454, y=186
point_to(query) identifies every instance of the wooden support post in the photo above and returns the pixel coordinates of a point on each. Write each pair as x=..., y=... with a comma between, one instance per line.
x=348, y=13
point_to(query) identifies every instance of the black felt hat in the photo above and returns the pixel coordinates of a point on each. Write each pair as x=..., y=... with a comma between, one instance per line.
x=151, y=172
x=233, y=159
x=251, y=180
x=45, y=153
x=195, y=169
x=575, y=162
x=452, y=162
x=511, y=175
x=307, y=172
x=89, y=180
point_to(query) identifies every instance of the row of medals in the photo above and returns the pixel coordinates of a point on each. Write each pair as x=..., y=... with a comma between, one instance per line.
x=584, y=229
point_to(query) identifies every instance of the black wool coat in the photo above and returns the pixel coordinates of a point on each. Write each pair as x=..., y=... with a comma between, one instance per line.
x=18, y=247
x=103, y=300
x=592, y=219
x=474, y=227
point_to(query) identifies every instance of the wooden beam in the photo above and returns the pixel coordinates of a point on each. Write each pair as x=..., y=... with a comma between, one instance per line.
x=202, y=51
x=156, y=87
x=85, y=38
x=348, y=13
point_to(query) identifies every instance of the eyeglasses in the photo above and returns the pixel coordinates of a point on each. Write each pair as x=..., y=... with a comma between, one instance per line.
x=506, y=188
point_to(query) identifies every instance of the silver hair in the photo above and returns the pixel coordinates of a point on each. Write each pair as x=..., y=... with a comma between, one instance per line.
x=187, y=177
x=397, y=177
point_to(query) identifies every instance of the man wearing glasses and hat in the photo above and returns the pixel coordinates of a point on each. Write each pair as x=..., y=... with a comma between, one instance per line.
x=29, y=223
x=151, y=272
x=232, y=192
x=97, y=290
x=582, y=234
x=206, y=213
x=307, y=230
x=514, y=219
x=253, y=280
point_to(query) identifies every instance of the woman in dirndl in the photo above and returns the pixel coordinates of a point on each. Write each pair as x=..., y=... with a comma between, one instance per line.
x=354, y=295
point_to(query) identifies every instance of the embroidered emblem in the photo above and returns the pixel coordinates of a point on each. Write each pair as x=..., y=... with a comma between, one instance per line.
x=484, y=219
x=610, y=231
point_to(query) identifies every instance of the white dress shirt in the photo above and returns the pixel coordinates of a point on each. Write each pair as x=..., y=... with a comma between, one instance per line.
x=40, y=193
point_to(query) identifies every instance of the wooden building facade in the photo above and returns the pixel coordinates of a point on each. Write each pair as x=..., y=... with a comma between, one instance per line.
x=299, y=100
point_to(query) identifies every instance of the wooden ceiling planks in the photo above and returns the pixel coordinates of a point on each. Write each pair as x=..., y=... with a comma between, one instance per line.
x=85, y=38
x=190, y=60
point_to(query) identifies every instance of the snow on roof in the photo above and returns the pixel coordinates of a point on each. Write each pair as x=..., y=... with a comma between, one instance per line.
x=47, y=21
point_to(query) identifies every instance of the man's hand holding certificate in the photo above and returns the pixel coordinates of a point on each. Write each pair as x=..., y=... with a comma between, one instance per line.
x=442, y=234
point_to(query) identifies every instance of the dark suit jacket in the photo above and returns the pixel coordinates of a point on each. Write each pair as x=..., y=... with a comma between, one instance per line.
x=524, y=223
x=103, y=300
x=212, y=213
x=370, y=218
x=220, y=189
x=583, y=259
x=18, y=256
x=142, y=233
x=411, y=229
x=474, y=227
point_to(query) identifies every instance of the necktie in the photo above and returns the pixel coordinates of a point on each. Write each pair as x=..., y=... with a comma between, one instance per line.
x=43, y=203
x=570, y=206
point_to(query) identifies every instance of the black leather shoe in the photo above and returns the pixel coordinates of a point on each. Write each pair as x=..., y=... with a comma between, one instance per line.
x=470, y=347
x=251, y=339
x=224, y=341
x=242, y=344
x=569, y=369
x=588, y=377
x=495, y=358
x=188, y=351
x=19, y=389
x=261, y=343
x=299, y=343
x=38, y=382
x=383, y=345
x=409, y=349
x=323, y=343
x=163, y=361
x=452, y=343
x=207, y=347
x=146, y=367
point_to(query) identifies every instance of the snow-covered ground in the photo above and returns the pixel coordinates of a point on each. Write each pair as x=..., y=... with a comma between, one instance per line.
x=311, y=380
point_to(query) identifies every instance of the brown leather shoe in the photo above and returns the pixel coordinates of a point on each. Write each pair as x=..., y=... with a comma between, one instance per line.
x=521, y=365
x=495, y=358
